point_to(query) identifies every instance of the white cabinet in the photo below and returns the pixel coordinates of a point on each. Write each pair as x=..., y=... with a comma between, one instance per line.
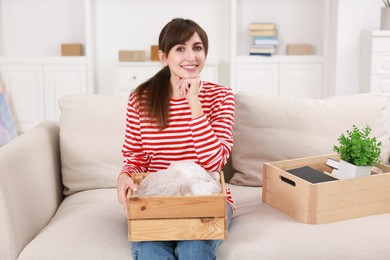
x=61, y=80
x=301, y=80
x=34, y=85
x=128, y=75
x=25, y=93
x=375, y=62
x=261, y=78
x=281, y=76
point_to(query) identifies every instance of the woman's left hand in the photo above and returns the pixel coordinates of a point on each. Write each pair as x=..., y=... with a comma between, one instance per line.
x=189, y=88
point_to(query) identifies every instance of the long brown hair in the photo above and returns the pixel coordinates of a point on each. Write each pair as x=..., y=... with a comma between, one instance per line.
x=155, y=92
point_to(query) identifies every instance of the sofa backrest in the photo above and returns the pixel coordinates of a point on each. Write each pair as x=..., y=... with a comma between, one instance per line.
x=92, y=129
x=272, y=129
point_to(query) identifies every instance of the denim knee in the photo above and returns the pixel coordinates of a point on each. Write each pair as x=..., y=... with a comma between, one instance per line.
x=196, y=249
x=163, y=250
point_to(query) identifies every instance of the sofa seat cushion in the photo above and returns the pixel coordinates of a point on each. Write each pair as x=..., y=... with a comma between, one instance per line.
x=259, y=231
x=92, y=225
x=272, y=129
x=87, y=225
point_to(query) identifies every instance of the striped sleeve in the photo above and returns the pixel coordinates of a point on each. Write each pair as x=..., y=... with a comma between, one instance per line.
x=134, y=157
x=213, y=135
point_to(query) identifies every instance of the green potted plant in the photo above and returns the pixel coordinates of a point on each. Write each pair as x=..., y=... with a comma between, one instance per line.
x=358, y=153
x=385, y=15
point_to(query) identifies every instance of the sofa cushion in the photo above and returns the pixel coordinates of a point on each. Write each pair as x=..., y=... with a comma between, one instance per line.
x=92, y=130
x=88, y=225
x=272, y=129
x=259, y=231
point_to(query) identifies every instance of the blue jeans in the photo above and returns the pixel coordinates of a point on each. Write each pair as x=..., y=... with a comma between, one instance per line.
x=171, y=250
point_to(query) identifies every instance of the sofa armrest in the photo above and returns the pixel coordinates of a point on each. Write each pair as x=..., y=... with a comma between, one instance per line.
x=30, y=186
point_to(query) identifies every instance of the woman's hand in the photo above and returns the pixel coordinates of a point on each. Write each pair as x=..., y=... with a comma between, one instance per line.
x=189, y=88
x=123, y=185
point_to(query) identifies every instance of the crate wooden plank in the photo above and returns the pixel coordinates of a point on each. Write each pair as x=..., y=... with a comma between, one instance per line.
x=287, y=207
x=294, y=163
x=176, y=207
x=362, y=210
x=289, y=192
x=354, y=185
x=353, y=199
x=177, y=229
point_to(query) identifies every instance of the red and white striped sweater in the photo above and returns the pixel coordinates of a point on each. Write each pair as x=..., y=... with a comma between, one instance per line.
x=206, y=140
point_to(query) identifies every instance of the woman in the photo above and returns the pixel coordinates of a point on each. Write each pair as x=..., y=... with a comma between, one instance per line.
x=174, y=116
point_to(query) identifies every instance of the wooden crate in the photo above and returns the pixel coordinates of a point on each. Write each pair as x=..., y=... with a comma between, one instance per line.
x=176, y=217
x=327, y=201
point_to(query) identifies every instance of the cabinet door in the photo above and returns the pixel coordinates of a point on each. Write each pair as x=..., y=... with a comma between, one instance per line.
x=380, y=84
x=62, y=80
x=301, y=80
x=24, y=88
x=130, y=77
x=381, y=63
x=260, y=78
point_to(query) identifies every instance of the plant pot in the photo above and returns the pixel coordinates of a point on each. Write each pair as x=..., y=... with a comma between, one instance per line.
x=347, y=170
x=385, y=18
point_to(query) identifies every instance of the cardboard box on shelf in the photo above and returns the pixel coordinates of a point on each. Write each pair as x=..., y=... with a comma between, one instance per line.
x=154, y=53
x=300, y=49
x=137, y=55
x=71, y=49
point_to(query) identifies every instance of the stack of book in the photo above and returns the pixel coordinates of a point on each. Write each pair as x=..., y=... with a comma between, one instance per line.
x=265, y=39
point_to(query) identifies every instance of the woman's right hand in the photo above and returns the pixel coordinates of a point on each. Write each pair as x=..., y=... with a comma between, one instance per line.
x=123, y=185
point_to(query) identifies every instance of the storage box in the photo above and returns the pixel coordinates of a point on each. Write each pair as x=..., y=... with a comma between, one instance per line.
x=132, y=55
x=154, y=53
x=71, y=49
x=176, y=217
x=327, y=201
x=299, y=49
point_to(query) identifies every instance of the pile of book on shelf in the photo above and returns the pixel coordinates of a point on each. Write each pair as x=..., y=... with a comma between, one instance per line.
x=265, y=39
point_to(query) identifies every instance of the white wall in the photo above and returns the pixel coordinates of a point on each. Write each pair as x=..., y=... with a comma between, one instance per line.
x=38, y=27
x=353, y=17
x=121, y=26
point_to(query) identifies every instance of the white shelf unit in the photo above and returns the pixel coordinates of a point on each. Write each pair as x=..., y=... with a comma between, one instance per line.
x=34, y=85
x=303, y=21
x=375, y=62
x=32, y=70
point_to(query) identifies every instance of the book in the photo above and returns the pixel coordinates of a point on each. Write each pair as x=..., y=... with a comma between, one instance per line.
x=260, y=54
x=262, y=50
x=311, y=175
x=332, y=163
x=263, y=32
x=258, y=41
x=274, y=37
x=262, y=26
x=264, y=46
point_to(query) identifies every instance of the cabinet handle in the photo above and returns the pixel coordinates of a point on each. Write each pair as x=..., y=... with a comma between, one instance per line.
x=134, y=77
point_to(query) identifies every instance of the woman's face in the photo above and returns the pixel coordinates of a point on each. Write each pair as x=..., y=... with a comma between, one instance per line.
x=186, y=60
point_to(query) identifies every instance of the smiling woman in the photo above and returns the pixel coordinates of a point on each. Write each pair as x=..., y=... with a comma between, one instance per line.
x=175, y=116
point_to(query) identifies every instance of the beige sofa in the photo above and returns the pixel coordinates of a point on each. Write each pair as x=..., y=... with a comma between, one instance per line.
x=58, y=196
